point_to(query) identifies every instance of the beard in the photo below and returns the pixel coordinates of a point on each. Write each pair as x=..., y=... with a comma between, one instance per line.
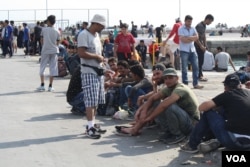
x=160, y=82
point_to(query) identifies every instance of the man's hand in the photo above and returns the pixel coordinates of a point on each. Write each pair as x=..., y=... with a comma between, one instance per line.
x=100, y=58
x=140, y=100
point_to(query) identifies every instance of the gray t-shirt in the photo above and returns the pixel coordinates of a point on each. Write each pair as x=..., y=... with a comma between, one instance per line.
x=93, y=45
x=222, y=60
x=50, y=37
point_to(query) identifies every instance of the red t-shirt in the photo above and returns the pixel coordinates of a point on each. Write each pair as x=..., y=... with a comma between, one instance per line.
x=152, y=47
x=124, y=42
x=174, y=31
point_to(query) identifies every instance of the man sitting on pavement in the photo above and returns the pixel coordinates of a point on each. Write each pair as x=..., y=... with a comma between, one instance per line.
x=230, y=125
x=179, y=108
x=222, y=59
x=75, y=94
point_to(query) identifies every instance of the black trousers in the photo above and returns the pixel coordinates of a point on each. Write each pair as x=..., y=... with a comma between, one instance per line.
x=200, y=54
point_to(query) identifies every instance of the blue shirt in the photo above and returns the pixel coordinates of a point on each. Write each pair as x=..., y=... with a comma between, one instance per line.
x=187, y=32
x=26, y=34
x=8, y=33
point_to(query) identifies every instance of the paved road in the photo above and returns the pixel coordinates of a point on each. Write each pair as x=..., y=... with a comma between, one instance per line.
x=38, y=130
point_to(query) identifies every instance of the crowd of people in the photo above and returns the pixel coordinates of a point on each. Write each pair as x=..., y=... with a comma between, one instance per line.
x=109, y=75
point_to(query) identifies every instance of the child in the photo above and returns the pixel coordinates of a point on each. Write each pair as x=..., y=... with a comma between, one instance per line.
x=108, y=48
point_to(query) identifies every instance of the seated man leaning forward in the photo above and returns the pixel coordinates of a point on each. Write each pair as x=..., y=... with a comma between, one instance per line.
x=179, y=108
x=230, y=126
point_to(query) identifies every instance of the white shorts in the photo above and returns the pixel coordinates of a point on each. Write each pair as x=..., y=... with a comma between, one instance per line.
x=172, y=46
x=52, y=60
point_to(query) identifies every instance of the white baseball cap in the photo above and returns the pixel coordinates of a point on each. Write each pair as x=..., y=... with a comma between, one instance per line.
x=99, y=19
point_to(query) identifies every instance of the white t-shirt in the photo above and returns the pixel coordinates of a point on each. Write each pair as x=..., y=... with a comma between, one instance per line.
x=222, y=60
x=50, y=37
x=93, y=45
x=209, y=63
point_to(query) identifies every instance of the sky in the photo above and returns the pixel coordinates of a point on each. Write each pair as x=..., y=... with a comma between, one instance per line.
x=233, y=13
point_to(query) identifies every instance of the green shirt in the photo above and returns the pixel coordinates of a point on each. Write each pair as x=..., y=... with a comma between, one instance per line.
x=187, y=101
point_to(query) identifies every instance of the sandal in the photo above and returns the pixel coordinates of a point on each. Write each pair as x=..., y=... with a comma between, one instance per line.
x=121, y=133
x=119, y=128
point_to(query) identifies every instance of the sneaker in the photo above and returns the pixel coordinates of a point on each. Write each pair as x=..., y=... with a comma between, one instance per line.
x=92, y=133
x=41, y=88
x=51, y=89
x=98, y=129
x=188, y=149
x=208, y=146
x=175, y=139
x=198, y=87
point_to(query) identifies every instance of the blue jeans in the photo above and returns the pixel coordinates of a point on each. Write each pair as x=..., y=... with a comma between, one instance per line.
x=193, y=59
x=214, y=121
x=175, y=120
x=78, y=102
x=138, y=93
x=122, y=96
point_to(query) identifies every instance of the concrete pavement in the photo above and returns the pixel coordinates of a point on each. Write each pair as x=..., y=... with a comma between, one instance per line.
x=38, y=130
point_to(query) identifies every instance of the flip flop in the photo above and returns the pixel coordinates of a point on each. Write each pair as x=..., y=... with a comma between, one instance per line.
x=121, y=133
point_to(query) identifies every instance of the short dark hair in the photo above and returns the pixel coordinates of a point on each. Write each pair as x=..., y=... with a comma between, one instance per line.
x=219, y=48
x=133, y=62
x=11, y=22
x=52, y=19
x=123, y=63
x=188, y=17
x=85, y=23
x=124, y=25
x=209, y=17
x=248, y=53
x=138, y=70
x=112, y=59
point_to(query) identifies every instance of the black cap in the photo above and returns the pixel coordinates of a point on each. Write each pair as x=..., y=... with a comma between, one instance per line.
x=159, y=66
x=231, y=80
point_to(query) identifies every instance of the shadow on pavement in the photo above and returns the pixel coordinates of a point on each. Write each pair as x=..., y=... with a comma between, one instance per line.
x=19, y=93
x=57, y=116
x=28, y=142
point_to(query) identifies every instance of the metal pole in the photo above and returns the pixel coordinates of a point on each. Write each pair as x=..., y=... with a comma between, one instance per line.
x=108, y=17
x=88, y=15
x=62, y=18
x=46, y=8
x=180, y=9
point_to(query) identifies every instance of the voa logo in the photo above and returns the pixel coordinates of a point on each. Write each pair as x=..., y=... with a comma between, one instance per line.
x=236, y=158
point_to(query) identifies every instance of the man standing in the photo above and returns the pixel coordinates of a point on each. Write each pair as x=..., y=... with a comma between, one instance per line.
x=50, y=40
x=175, y=45
x=188, y=35
x=229, y=125
x=7, y=39
x=26, y=38
x=90, y=52
x=15, y=34
x=201, y=43
x=37, y=38
x=142, y=50
x=124, y=44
